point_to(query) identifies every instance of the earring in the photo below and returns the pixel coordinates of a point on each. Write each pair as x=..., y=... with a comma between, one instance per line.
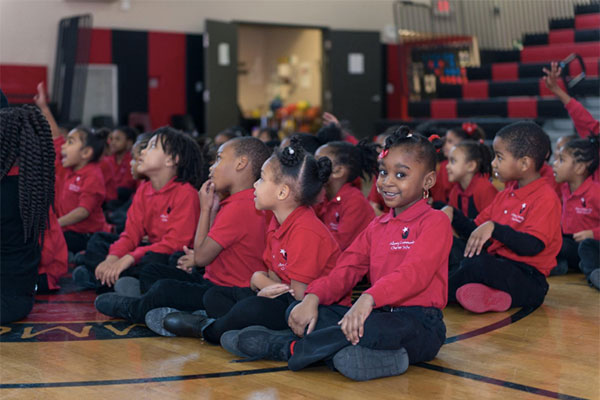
x=425, y=193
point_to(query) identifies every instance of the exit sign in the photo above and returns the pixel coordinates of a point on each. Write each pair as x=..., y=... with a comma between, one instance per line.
x=442, y=8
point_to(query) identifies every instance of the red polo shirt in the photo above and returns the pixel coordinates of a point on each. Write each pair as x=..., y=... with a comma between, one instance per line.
x=83, y=188
x=108, y=171
x=581, y=209
x=168, y=217
x=480, y=190
x=301, y=249
x=406, y=257
x=123, y=176
x=54, y=261
x=532, y=209
x=346, y=215
x=240, y=229
x=442, y=187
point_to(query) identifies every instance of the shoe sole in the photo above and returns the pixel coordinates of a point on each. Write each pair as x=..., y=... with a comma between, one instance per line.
x=363, y=364
x=479, y=298
x=254, y=328
x=154, y=320
x=229, y=342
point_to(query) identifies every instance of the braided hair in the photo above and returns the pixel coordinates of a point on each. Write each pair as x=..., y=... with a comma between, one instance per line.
x=585, y=151
x=306, y=174
x=26, y=141
x=478, y=152
x=403, y=137
x=361, y=160
x=190, y=166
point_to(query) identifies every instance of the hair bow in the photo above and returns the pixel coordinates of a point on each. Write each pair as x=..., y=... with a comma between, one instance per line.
x=383, y=153
x=469, y=127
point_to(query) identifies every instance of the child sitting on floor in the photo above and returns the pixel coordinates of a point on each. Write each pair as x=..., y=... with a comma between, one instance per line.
x=523, y=222
x=574, y=169
x=399, y=319
x=345, y=210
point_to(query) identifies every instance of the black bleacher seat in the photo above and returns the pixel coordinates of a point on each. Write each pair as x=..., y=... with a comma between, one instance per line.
x=591, y=8
x=492, y=56
x=482, y=108
x=562, y=23
x=535, y=39
x=587, y=35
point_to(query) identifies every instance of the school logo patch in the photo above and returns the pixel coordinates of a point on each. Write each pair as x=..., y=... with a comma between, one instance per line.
x=583, y=202
x=74, y=188
x=522, y=208
x=164, y=217
x=283, y=254
x=337, y=217
x=405, y=232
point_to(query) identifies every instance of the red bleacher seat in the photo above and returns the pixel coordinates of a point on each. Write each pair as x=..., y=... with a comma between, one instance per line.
x=522, y=107
x=445, y=108
x=545, y=92
x=554, y=52
x=505, y=71
x=475, y=90
x=556, y=36
x=587, y=21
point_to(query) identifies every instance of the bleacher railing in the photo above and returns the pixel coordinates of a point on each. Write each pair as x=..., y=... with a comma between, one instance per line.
x=497, y=24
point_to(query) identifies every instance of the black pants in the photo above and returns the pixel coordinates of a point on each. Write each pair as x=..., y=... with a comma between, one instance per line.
x=252, y=310
x=14, y=307
x=118, y=216
x=97, y=250
x=568, y=252
x=154, y=272
x=525, y=284
x=219, y=300
x=76, y=241
x=457, y=252
x=589, y=252
x=184, y=296
x=419, y=330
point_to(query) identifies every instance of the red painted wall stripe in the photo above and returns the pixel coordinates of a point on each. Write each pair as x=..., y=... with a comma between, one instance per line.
x=443, y=108
x=522, y=107
x=19, y=82
x=101, y=46
x=394, y=82
x=166, y=76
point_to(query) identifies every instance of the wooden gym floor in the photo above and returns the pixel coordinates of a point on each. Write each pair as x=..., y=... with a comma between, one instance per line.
x=65, y=350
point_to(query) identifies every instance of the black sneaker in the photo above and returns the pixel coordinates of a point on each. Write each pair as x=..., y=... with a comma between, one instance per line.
x=594, y=278
x=115, y=305
x=154, y=320
x=185, y=324
x=258, y=342
x=128, y=286
x=362, y=364
x=83, y=277
x=229, y=341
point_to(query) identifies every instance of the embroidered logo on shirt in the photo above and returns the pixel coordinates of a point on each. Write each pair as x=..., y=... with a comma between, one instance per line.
x=164, y=217
x=517, y=218
x=583, y=202
x=74, y=188
x=283, y=253
x=522, y=208
x=401, y=245
x=405, y=232
x=337, y=217
x=169, y=210
x=77, y=179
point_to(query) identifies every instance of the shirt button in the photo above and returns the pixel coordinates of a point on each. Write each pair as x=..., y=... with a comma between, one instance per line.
x=505, y=211
x=512, y=194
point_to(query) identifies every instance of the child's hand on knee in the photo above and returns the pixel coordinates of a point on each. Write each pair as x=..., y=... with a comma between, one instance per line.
x=478, y=239
x=582, y=235
x=104, y=266
x=186, y=262
x=353, y=322
x=304, y=315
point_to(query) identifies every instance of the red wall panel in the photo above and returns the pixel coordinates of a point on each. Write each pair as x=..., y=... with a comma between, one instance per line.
x=19, y=82
x=166, y=76
x=394, y=80
x=101, y=46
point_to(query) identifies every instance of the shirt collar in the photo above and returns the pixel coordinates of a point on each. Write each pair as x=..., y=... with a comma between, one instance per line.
x=280, y=230
x=584, y=187
x=414, y=211
x=245, y=194
x=527, y=190
x=168, y=187
x=341, y=194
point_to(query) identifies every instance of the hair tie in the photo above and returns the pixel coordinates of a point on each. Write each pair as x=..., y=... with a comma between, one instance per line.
x=481, y=141
x=383, y=153
x=290, y=150
x=433, y=137
x=469, y=127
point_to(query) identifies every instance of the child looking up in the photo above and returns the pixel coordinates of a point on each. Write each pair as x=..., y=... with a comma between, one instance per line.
x=574, y=169
x=165, y=209
x=399, y=319
x=230, y=243
x=79, y=207
x=523, y=222
x=469, y=169
x=299, y=249
x=345, y=210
